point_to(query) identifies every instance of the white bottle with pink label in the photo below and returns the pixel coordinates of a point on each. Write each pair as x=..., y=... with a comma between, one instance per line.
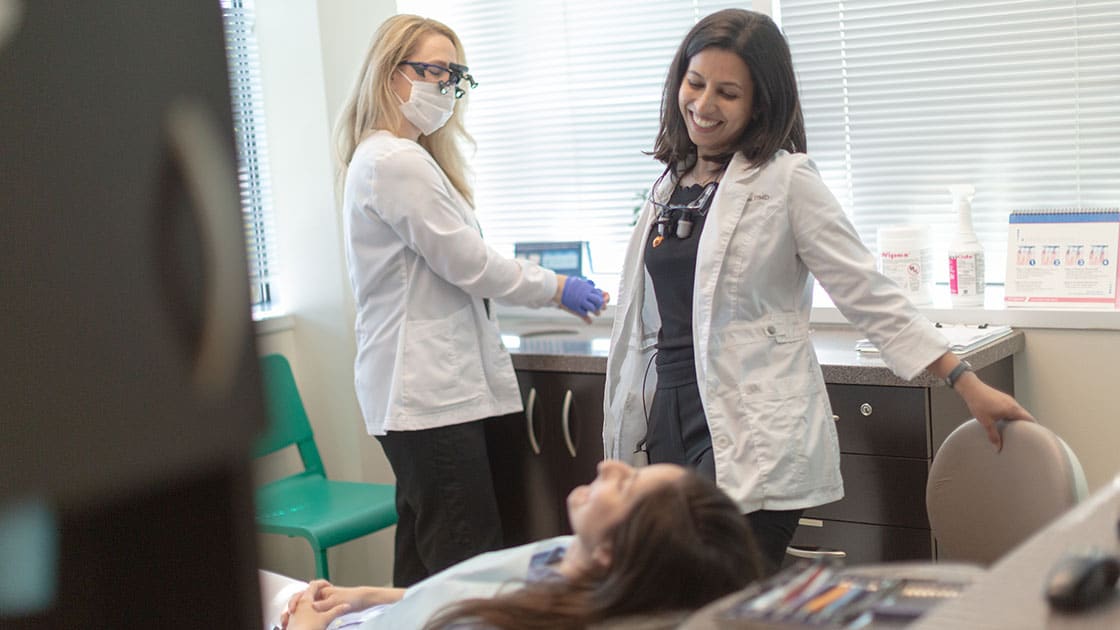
x=966, y=254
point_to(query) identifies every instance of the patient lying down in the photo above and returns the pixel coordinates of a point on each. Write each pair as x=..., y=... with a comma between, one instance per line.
x=646, y=540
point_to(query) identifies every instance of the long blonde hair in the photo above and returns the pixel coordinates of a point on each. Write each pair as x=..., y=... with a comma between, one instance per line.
x=373, y=105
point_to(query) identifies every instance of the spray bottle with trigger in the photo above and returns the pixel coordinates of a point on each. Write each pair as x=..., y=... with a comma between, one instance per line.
x=966, y=254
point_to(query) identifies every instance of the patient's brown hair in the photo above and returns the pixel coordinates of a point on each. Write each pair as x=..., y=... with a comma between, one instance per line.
x=682, y=546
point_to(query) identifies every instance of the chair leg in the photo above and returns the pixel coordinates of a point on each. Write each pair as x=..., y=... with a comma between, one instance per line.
x=321, y=571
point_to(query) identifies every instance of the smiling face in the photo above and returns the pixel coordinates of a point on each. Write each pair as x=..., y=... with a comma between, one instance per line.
x=595, y=509
x=716, y=99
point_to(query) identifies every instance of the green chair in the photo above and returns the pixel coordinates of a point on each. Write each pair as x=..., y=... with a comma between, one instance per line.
x=307, y=504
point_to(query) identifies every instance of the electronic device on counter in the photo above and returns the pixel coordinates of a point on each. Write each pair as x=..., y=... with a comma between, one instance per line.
x=571, y=258
x=1081, y=580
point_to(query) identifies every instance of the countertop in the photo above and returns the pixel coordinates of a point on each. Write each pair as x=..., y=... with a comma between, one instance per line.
x=561, y=349
x=1010, y=596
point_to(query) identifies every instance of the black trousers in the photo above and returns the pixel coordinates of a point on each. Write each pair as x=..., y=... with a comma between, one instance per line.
x=678, y=433
x=446, y=507
x=773, y=531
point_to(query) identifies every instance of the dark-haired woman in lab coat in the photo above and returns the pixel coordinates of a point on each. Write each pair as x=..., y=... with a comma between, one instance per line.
x=711, y=364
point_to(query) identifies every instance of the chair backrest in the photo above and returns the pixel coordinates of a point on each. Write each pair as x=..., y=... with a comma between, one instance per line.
x=982, y=503
x=287, y=419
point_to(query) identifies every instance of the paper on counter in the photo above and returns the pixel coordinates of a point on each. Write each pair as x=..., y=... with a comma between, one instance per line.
x=962, y=337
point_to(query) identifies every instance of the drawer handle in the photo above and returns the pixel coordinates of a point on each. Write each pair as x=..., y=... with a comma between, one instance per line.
x=810, y=554
x=529, y=407
x=564, y=424
x=810, y=522
x=866, y=409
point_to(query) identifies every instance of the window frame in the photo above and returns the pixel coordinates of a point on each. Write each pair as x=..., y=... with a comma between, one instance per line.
x=253, y=174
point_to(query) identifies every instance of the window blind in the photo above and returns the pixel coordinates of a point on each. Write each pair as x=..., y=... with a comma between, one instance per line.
x=252, y=150
x=903, y=97
x=568, y=99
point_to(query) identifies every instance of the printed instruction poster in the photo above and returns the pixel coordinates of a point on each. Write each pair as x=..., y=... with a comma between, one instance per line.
x=1063, y=258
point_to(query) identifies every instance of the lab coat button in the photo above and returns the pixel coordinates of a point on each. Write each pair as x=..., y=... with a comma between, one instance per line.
x=771, y=330
x=723, y=442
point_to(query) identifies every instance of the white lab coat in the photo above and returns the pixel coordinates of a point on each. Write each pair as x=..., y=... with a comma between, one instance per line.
x=429, y=355
x=773, y=437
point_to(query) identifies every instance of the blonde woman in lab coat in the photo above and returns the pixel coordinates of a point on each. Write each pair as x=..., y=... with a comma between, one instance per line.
x=713, y=309
x=430, y=365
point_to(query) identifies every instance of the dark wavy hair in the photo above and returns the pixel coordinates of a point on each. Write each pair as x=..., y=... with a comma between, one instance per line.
x=682, y=545
x=776, y=121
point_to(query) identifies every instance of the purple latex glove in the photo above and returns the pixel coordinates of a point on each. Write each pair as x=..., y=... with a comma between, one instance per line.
x=580, y=296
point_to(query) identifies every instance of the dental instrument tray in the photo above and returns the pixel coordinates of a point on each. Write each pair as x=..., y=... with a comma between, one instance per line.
x=825, y=594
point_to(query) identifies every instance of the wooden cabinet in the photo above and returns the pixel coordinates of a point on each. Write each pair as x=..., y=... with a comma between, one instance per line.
x=888, y=435
x=539, y=456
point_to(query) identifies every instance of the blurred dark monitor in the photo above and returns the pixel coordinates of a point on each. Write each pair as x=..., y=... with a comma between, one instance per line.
x=130, y=390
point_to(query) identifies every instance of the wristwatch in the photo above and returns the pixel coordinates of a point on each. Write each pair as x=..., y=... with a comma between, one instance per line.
x=955, y=373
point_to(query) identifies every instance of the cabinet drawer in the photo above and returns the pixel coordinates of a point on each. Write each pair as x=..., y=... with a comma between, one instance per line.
x=863, y=543
x=582, y=426
x=522, y=483
x=880, y=491
x=553, y=447
x=881, y=420
x=567, y=420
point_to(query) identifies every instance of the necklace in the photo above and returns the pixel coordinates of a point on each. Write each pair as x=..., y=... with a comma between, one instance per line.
x=708, y=177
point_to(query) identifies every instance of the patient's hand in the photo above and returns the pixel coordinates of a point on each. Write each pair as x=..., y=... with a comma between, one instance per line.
x=357, y=597
x=306, y=611
x=322, y=597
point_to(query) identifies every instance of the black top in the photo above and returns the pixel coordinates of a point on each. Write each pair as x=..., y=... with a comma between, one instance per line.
x=671, y=264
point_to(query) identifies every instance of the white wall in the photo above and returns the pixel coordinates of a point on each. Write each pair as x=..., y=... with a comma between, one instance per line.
x=304, y=77
x=1070, y=381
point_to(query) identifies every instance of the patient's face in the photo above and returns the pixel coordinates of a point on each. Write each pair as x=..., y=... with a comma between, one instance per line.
x=596, y=508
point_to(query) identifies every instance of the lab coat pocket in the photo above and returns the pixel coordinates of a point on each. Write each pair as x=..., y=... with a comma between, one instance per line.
x=434, y=357
x=772, y=350
x=777, y=328
x=777, y=414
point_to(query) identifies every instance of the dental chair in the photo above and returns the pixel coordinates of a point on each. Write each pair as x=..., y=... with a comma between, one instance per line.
x=981, y=503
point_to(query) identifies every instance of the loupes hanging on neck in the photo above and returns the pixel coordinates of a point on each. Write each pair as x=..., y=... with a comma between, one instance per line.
x=685, y=215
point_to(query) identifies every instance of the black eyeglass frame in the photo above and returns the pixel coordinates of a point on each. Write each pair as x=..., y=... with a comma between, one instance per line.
x=455, y=74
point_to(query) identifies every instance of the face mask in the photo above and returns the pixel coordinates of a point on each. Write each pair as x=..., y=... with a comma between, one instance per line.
x=427, y=107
